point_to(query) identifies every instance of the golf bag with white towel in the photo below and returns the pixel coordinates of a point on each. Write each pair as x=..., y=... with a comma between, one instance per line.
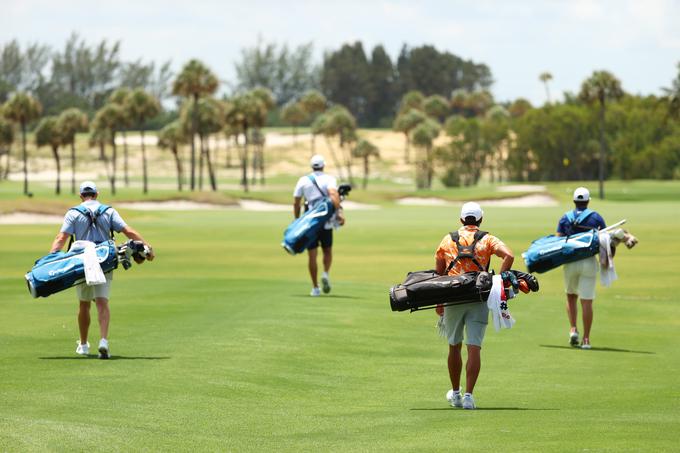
x=549, y=252
x=303, y=231
x=85, y=262
x=423, y=290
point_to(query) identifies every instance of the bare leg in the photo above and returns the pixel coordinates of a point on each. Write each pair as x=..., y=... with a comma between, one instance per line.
x=587, y=307
x=474, y=364
x=327, y=258
x=313, y=268
x=84, y=320
x=455, y=365
x=104, y=316
x=572, y=310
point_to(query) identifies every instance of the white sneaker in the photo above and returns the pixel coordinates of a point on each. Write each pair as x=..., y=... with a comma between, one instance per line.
x=468, y=401
x=454, y=399
x=573, y=338
x=83, y=349
x=586, y=344
x=315, y=292
x=325, y=283
x=103, y=348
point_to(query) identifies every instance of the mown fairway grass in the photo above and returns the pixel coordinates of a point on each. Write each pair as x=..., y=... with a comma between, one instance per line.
x=217, y=346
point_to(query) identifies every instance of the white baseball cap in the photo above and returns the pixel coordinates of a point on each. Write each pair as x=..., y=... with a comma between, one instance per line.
x=581, y=194
x=471, y=209
x=88, y=187
x=317, y=162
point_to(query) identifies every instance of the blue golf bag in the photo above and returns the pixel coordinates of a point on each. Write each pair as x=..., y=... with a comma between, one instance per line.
x=550, y=252
x=61, y=270
x=304, y=231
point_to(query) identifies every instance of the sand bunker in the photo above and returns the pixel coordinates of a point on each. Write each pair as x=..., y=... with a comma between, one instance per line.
x=171, y=205
x=29, y=218
x=527, y=201
x=415, y=201
x=354, y=206
x=247, y=205
x=522, y=188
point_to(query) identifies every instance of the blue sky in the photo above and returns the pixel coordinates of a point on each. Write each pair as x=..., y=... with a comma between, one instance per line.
x=639, y=41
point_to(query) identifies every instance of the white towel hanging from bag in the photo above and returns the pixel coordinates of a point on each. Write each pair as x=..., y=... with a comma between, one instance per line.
x=93, y=271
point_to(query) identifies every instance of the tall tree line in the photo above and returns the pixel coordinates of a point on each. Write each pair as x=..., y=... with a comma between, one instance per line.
x=372, y=86
x=81, y=74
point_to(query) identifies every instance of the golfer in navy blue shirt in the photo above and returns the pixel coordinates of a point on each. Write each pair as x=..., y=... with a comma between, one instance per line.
x=580, y=276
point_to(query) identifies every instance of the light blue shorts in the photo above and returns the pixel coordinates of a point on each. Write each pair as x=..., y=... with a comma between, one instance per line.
x=472, y=317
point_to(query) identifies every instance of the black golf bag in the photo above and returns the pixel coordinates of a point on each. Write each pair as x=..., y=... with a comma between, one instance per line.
x=426, y=289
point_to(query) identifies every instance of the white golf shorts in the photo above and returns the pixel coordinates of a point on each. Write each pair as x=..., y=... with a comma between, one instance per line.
x=580, y=277
x=89, y=293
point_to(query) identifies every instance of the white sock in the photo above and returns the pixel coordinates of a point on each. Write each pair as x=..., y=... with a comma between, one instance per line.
x=456, y=392
x=325, y=275
x=468, y=394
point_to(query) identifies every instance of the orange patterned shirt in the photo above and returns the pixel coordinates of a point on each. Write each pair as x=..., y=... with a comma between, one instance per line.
x=448, y=250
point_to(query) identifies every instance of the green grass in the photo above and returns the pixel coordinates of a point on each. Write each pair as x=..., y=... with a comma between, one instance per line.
x=217, y=347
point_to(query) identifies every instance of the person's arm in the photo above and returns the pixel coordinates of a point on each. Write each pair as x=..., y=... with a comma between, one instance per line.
x=131, y=233
x=296, y=206
x=440, y=266
x=508, y=258
x=335, y=198
x=59, y=242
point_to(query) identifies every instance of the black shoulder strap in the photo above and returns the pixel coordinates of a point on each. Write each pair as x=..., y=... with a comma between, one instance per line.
x=467, y=251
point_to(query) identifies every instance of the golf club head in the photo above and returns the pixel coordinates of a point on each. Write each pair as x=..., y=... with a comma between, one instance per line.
x=344, y=189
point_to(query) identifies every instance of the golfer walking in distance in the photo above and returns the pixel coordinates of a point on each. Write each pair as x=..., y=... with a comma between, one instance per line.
x=580, y=276
x=467, y=250
x=95, y=222
x=314, y=187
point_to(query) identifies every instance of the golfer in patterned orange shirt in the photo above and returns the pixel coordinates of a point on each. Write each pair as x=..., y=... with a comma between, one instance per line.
x=467, y=250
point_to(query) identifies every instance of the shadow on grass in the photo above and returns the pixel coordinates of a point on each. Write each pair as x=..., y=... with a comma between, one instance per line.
x=113, y=357
x=479, y=409
x=325, y=296
x=604, y=349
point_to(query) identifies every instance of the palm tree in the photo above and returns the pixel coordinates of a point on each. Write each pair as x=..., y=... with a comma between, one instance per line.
x=195, y=80
x=47, y=133
x=171, y=137
x=546, y=77
x=211, y=119
x=601, y=87
x=411, y=100
x=22, y=108
x=259, y=120
x=294, y=114
x=70, y=122
x=244, y=112
x=231, y=135
x=314, y=104
x=423, y=137
x=110, y=118
x=6, y=140
x=99, y=136
x=342, y=124
x=120, y=97
x=365, y=150
x=436, y=107
x=405, y=123
x=142, y=106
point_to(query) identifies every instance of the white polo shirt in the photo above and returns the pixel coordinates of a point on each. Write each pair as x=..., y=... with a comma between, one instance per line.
x=306, y=188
